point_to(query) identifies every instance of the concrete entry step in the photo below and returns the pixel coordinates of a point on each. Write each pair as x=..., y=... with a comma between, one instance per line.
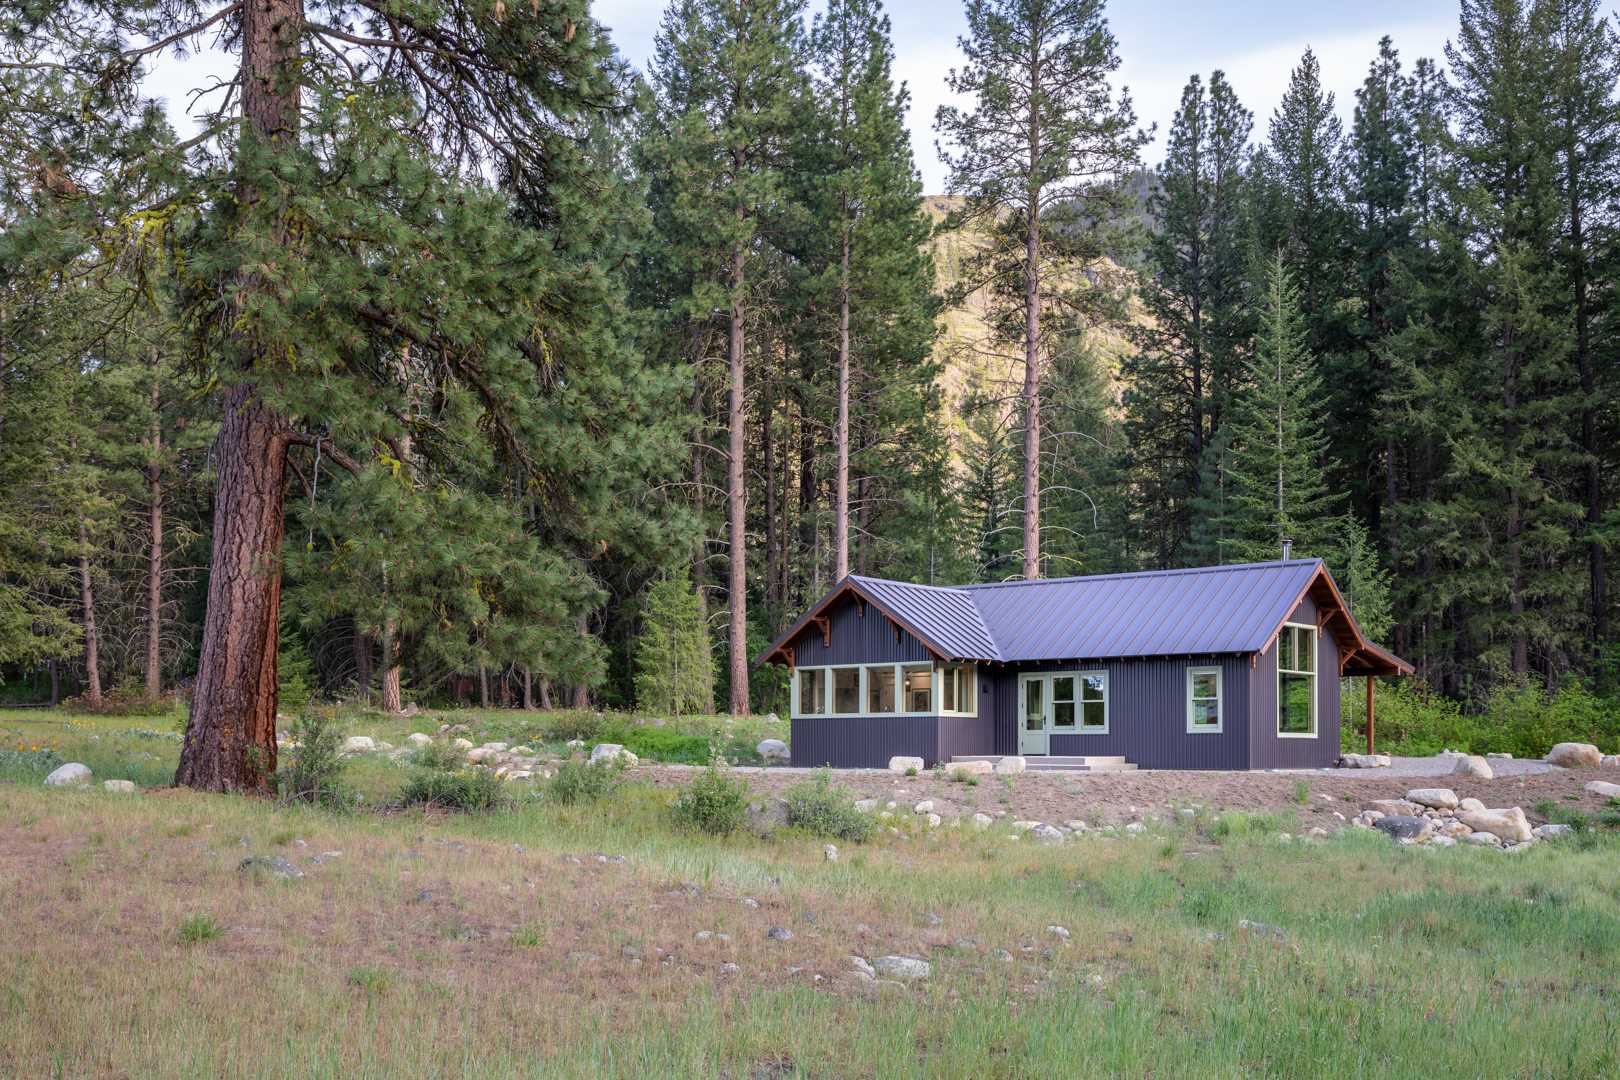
x=1059, y=762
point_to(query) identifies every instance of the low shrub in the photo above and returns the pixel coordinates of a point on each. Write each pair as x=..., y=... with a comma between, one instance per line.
x=28, y=764
x=198, y=928
x=577, y=781
x=314, y=770
x=438, y=755
x=714, y=803
x=471, y=790
x=819, y=808
x=584, y=726
x=660, y=744
x=127, y=697
x=1519, y=719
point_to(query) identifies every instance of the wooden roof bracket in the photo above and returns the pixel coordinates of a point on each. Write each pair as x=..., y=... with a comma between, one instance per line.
x=787, y=650
x=826, y=630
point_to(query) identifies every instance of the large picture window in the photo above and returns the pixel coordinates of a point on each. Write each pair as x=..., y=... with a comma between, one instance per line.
x=846, y=690
x=1296, y=682
x=1203, y=700
x=880, y=690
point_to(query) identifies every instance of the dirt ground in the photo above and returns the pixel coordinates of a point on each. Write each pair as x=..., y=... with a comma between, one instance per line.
x=1104, y=798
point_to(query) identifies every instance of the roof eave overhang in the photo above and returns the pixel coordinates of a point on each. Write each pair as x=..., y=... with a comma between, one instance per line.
x=1364, y=657
x=777, y=651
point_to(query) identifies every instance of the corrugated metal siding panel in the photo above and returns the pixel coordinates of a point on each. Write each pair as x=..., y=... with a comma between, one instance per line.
x=1267, y=750
x=1147, y=718
x=1225, y=609
x=863, y=742
x=857, y=639
x=965, y=735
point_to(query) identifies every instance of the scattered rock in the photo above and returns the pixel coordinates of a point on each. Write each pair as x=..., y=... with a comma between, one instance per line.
x=358, y=744
x=1611, y=761
x=963, y=769
x=774, y=750
x=481, y=755
x=902, y=967
x=779, y=933
x=461, y=744
x=866, y=806
x=933, y=820
x=1002, y=955
x=273, y=865
x=1438, y=798
x=765, y=816
x=1396, y=807
x=926, y=806
x=1059, y=932
x=1500, y=756
x=983, y=821
x=862, y=968
x=830, y=852
x=1443, y=841
x=498, y=747
x=1010, y=766
x=1316, y=832
x=1075, y=825
x=1552, y=830
x=1603, y=787
x=1470, y=804
x=1509, y=825
x=121, y=787
x=1484, y=839
x=417, y=738
x=1364, y=761
x=1264, y=929
x=612, y=752
x=728, y=968
x=750, y=903
x=1405, y=826
x=73, y=774
x=1574, y=755
x=1474, y=766
x=1135, y=827
x=1048, y=834
x=901, y=765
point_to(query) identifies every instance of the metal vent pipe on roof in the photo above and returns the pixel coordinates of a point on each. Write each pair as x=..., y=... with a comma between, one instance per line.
x=1288, y=549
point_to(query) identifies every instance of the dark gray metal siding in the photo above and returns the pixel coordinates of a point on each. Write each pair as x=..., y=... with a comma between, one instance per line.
x=1268, y=750
x=1147, y=713
x=964, y=735
x=863, y=742
x=856, y=639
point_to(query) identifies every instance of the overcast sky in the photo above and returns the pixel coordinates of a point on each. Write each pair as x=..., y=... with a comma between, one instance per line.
x=1161, y=42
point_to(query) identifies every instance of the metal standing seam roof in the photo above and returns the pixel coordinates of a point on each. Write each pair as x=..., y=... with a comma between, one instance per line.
x=948, y=618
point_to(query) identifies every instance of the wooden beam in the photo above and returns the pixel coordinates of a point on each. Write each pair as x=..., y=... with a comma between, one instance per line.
x=826, y=630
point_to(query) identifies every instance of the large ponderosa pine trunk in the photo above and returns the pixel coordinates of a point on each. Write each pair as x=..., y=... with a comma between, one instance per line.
x=1032, y=374
x=230, y=742
x=737, y=583
x=92, y=641
x=154, y=555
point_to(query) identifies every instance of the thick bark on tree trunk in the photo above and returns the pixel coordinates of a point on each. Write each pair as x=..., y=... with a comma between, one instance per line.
x=483, y=686
x=230, y=742
x=841, y=515
x=92, y=641
x=392, y=700
x=737, y=583
x=1032, y=391
x=154, y=557
x=528, y=689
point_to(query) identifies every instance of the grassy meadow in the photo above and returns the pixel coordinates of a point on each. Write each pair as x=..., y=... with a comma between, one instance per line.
x=597, y=939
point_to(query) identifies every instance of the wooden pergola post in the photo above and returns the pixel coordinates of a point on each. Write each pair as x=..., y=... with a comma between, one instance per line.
x=1370, y=684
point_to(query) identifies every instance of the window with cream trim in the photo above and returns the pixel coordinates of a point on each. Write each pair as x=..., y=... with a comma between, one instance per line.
x=1296, y=682
x=846, y=691
x=1203, y=700
x=812, y=696
x=958, y=690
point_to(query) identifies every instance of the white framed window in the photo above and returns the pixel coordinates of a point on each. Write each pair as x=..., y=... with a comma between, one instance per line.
x=1296, y=682
x=880, y=690
x=845, y=685
x=917, y=688
x=958, y=690
x=1093, y=703
x=1204, y=701
x=810, y=692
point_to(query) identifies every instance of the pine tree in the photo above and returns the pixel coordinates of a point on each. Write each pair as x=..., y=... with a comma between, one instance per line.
x=1041, y=158
x=1275, y=472
x=674, y=665
x=1195, y=294
x=726, y=74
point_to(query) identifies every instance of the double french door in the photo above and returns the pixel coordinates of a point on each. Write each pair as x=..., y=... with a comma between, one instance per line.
x=1060, y=703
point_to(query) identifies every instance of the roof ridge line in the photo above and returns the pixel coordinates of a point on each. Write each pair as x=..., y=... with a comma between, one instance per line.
x=1174, y=571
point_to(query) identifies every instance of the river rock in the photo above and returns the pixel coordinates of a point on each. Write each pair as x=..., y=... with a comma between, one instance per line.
x=1437, y=798
x=901, y=765
x=1470, y=804
x=1475, y=766
x=358, y=744
x=1364, y=761
x=73, y=774
x=418, y=739
x=119, y=787
x=1396, y=807
x=902, y=967
x=964, y=769
x=1603, y=787
x=1509, y=825
x=609, y=753
x=1405, y=827
x=1574, y=755
x=1552, y=830
x=1010, y=765
x=773, y=750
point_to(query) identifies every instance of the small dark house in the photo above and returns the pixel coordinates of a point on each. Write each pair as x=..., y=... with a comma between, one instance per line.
x=1222, y=667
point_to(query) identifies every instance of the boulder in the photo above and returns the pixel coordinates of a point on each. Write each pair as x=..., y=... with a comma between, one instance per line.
x=1470, y=804
x=1405, y=827
x=900, y=766
x=1575, y=755
x=983, y=821
x=1551, y=831
x=1603, y=787
x=1437, y=798
x=1508, y=825
x=1396, y=807
x=419, y=739
x=963, y=769
x=1048, y=834
x=774, y=750
x=273, y=865
x=1443, y=841
x=1011, y=765
x=358, y=744
x=608, y=753
x=1475, y=766
x=1500, y=756
x=498, y=747
x=119, y=787
x=767, y=815
x=73, y=774
x=481, y=755
x=1611, y=761
x=461, y=744
x=829, y=852
x=926, y=806
x=1364, y=761
x=902, y=967
x=1484, y=839
x=933, y=820
x=866, y=806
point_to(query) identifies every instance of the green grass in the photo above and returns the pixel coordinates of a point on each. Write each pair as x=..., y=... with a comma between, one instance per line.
x=499, y=944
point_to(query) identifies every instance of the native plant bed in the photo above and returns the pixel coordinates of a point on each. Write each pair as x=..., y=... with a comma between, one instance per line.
x=604, y=936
